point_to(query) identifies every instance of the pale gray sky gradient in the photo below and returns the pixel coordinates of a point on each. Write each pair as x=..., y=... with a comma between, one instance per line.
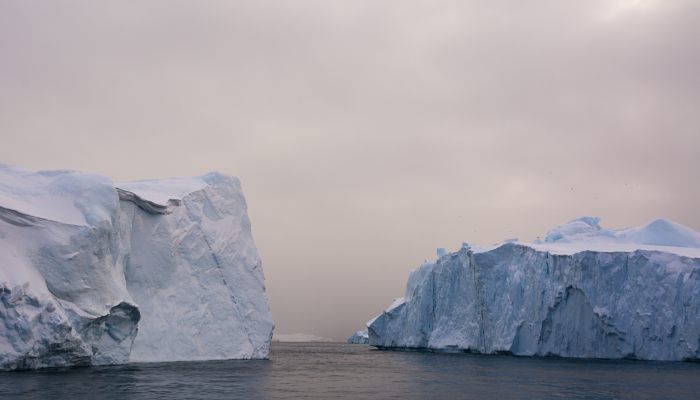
x=368, y=133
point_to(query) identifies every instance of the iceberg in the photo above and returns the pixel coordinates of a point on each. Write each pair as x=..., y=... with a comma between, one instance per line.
x=584, y=292
x=359, y=337
x=95, y=273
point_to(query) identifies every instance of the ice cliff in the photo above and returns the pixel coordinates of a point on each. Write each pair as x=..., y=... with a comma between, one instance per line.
x=584, y=292
x=93, y=273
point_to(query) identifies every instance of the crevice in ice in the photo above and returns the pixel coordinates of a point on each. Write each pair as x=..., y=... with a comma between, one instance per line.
x=22, y=220
x=573, y=329
x=217, y=263
x=147, y=205
x=111, y=336
x=479, y=296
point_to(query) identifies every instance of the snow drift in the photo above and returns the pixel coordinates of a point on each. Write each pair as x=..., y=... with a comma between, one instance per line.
x=585, y=292
x=149, y=271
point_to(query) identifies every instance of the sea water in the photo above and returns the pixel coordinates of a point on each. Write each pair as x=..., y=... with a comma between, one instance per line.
x=345, y=371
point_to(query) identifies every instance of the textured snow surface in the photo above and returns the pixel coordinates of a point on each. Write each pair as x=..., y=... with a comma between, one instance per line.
x=586, y=234
x=162, y=190
x=586, y=292
x=92, y=274
x=360, y=337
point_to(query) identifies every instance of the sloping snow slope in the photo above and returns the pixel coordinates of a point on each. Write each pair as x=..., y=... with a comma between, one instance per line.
x=636, y=295
x=659, y=232
x=88, y=270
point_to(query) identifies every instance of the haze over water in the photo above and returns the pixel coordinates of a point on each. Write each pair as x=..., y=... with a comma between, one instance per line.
x=368, y=133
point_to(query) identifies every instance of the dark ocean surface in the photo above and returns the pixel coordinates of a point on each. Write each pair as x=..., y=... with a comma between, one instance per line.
x=344, y=371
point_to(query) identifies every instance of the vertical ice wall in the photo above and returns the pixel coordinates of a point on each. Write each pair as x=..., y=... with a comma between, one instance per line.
x=194, y=259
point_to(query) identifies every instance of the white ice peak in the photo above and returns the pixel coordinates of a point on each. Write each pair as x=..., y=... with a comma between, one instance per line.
x=659, y=232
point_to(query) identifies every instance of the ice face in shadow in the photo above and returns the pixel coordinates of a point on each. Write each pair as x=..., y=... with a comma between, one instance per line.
x=359, y=337
x=615, y=302
x=87, y=269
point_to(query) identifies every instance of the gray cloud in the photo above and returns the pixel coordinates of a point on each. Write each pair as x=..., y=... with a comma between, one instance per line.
x=367, y=133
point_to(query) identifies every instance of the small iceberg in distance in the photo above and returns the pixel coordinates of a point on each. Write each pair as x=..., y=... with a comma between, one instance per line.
x=359, y=337
x=299, y=338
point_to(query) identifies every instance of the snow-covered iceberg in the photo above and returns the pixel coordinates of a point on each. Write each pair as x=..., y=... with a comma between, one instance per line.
x=359, y=337
x=584, y=292
x=93, y=273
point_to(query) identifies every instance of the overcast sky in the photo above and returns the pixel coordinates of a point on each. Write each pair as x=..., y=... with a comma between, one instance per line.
x=368, y=133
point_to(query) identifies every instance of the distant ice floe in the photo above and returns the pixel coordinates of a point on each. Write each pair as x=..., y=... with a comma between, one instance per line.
x=298, y=338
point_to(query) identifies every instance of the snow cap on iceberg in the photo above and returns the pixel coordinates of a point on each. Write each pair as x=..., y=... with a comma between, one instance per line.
x=662, y=232
x=63, y=196
x=659, y=232
x=583, y=228
x=163, y=191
